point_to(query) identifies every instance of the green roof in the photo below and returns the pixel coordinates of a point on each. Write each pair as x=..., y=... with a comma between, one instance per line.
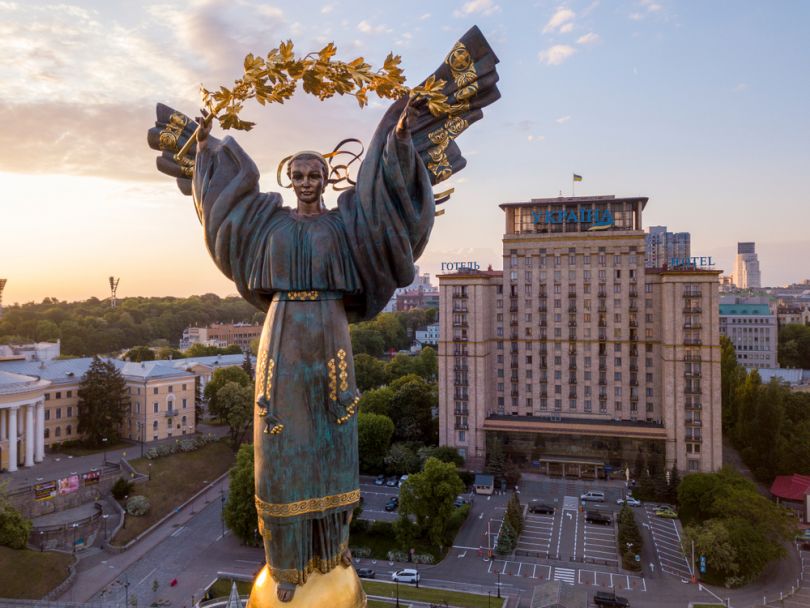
x=744, y=309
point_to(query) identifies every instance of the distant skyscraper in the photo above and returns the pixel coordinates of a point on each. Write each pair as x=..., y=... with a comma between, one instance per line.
x=746, y=267
x=661, y=247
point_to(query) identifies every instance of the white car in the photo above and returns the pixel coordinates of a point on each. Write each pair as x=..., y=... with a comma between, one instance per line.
x=593, y=496
x=408, y=575
x=631, y=502
x=402, y=480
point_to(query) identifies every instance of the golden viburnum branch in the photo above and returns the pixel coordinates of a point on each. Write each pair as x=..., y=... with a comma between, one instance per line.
x=275, y=77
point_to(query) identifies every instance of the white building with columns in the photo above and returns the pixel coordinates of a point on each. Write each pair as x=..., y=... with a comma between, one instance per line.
x=22, y=420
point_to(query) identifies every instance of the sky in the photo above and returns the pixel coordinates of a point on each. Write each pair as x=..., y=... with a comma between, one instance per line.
x=700, y=106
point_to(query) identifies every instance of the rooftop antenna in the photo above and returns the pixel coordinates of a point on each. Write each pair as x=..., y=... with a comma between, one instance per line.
x=2, y=286
x=113, y=291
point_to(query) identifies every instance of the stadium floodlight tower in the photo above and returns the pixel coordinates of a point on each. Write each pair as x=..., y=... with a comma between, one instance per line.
x=113, y=291
x=2, y=286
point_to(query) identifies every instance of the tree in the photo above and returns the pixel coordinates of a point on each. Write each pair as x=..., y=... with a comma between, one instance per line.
x=377, y=401
x=428, y=496
x=445, y=453
x=374, y=432
x=732, y=375
x=366, y=340
x=401, y=459
x=220, y=378
x=369, y=372
x=514, y=513
x=794, y=346
x=235, y=406
x=103, y=403
x=169, y=352
x=496, y=460
x=746, y=398
x=14, y=528
x=140, y=353
x=247, y=366
x=240, y=508
x=507, y=539
x=411, y=409
x=428, y=364
x=401, y=365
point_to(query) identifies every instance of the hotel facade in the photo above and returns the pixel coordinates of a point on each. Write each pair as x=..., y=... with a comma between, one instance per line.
x=576, y=358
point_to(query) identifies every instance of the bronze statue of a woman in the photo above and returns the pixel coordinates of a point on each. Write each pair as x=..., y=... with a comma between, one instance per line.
x=315, y=270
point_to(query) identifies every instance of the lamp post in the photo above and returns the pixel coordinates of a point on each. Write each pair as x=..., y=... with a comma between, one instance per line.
x=499, y=582
x=41, y=541
x=75, y=527
x=104, y=517
x=397, y=582
x=150, y=471
x=104, y=442
x=222, y=509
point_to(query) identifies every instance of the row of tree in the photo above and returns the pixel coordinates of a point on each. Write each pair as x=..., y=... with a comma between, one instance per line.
x=389, y=331
x=794, y=346
x=629, y=539
x=92, y=327
x=732, y=525
x=146, y=353
x=768, y=423
x=511, y=527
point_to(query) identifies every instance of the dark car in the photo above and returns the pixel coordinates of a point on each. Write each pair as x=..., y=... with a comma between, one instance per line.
x=379, y=480
x=609, y=598
x=595, y=517
x=366, y=573
x=540, y=507
x=392, y=482
x=392, y=504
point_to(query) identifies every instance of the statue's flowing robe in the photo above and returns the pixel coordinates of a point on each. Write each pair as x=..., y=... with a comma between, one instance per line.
x=313, y=274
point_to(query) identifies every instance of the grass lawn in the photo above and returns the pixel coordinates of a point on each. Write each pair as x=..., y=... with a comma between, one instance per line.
x=378, y=604
x=409, y=592
x=175, y=479
x=222, y=588
x=74, y=448
x=30, y=574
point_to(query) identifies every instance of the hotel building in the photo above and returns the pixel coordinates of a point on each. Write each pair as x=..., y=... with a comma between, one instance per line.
x=577, y=358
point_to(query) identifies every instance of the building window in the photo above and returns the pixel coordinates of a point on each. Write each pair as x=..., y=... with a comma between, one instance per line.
x=694, y=465
x=58, y=431
x=47, y=433
x=156, y=408
x=185, y=403
x=462, y=436
x=47, y=414
x=59, y=413
x=68, y=430
x=47, y=396
x=155, y=390
x=155, y=425
x=69, y=394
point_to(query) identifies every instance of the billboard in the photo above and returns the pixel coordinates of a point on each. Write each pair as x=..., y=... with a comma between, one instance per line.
x=45, y=490
x=91, y=478
x=68, y=485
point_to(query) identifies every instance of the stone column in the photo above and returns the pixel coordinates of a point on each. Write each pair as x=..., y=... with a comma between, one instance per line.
x=39, y=444
x=12, y=438
x=2, y=425
x=29, y=435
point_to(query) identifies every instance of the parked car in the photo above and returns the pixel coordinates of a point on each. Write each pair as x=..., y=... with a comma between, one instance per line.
x=804, y=535
x=596, y=517
x=392, y=482
x=408, y=575
x=631, y=502
x=392, y=504
x=593, y=496
x=460, y=501
x=609, y=598
x=379, y=480
x=366, y=573
x=402, y=480
x=667, y=512
x=535, y=506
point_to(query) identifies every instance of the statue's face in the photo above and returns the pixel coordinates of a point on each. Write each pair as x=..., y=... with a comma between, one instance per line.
x=307, y=180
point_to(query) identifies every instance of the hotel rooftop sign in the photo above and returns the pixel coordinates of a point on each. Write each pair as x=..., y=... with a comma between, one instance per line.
x=600, y=219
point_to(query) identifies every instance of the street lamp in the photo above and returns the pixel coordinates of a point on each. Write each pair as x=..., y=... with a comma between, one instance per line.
x=104, y=441
x=104, y=517
x=150, y=471
x=75, y=527
x=222, y=509
x=397, y=582
x=499, y=582
x=41, y=542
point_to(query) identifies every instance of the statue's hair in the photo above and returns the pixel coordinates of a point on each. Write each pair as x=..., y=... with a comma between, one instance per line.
x=333, y=173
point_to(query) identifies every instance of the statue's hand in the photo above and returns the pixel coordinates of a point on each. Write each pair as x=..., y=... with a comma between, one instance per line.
x=204, y=127
x=409, y=112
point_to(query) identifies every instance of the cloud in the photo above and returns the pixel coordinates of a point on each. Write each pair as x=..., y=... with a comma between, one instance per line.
x=327, y=8
x=535, y=137
x=567, y=28
x=563, y=119
x=424, y=17
x=369, y=28
x=558, y=20
x=477, y=7
x=589, y=38
x=742, y=86
x=635, y=16
x=556, y=54
x=651, y=5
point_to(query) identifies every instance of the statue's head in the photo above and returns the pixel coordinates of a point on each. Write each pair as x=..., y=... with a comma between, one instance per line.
x=308, y=172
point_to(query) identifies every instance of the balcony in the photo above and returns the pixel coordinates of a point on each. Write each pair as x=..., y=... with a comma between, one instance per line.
x=572, y=365
x=542, y=295
x=514, y=365
x=513, y=323
x=633, y=367
x=572, y=308
x=633, y=293
x=460, y=309
x=572, y=323
x=694, y=406
x=692, y=294
x=633, y=323
x=633, y=307
x=513, y=335
x=634, y=352
x=601, y=308
x=460, y=324
x=461, y=383
x=461, y=411
x=513, y=308
x=459, y=338
x=601, y=294
x=691, y=357
x=692, y=341
x=460, y=368
x=514, y=393
x=692, y=374
x=461, y=426
x=460, y=353
x=694, y=422
x=687, y=310
x=692, y=390
x=692, y=325
x=694, y=438
x=633, y=336
x=171, y=413
x=572, y=294
x=542, y=323
x=460, y=296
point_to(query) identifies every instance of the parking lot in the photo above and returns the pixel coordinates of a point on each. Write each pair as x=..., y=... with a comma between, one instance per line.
x=374, y=499
x=582, y=576
x=666, y=538
x=538, y=531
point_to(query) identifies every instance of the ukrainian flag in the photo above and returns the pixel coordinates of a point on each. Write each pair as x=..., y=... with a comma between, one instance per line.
x=577, y=178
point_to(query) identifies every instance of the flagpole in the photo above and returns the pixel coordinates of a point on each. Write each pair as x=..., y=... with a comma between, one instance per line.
x=573, y=181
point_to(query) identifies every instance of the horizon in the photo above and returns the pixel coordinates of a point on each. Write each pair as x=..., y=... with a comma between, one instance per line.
x=668, y=100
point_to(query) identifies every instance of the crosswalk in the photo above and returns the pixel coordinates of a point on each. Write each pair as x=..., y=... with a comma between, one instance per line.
x=566, y=575
x=570, y=503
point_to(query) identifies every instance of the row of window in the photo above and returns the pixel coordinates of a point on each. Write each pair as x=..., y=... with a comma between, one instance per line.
x=571, y=259
x=155, y=389
x=58, y=395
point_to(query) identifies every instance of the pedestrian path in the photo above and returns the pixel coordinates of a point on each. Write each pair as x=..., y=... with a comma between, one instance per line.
x=566, y=575
x=571, y=503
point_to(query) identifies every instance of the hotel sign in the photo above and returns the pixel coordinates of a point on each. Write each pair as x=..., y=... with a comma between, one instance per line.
x=600, y=219
x=691, y=263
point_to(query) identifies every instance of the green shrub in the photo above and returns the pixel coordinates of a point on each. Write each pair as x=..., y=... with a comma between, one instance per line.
x=121, y=488
x=138, y=505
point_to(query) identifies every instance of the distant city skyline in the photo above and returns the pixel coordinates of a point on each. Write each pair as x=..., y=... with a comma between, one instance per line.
x=668, y=100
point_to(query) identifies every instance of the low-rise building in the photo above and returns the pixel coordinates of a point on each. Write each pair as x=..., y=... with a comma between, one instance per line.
x=222, y=335
x=751, y=326
x=428, y=336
